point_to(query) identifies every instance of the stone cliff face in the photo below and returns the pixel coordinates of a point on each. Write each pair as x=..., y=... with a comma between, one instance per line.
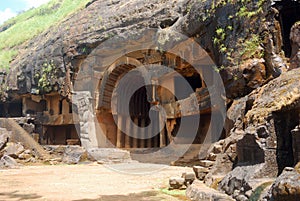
x=65, y=46
x=243, y=40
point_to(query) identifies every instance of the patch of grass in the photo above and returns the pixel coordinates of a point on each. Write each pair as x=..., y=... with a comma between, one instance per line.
x=6, y=57
x=251, y=47
x=33, y=22
x=180, y=194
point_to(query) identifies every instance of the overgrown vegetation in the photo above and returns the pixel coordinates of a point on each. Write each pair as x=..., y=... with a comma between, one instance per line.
x=31, y=23
x=251, y=47
x=248, y=45
x=46, y=77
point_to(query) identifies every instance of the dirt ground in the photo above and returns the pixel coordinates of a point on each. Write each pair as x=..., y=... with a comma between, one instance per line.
x=88, y=182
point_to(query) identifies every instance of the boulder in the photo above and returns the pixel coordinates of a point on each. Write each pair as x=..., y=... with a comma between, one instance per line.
x=8, y=162
x=29, y=128
x=286, y=187
x=176, y=183
x=24, y=156
x=206, y=163
x=200, y=172
x=241, y=182
x=74, y=154
x=14, y=149
x=109, y=155
x=200, y=192
x=222, y=166
x=4, y=136
x=295, y=42
x=189, y=178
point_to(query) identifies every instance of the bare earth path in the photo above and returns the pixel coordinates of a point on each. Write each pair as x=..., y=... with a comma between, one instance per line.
x=85, y=182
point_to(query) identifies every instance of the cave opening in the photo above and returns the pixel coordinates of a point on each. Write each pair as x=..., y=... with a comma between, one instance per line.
x=288, y=16
x=61, y=135
x=285, y=122
x=140, y=103
x=12, y=109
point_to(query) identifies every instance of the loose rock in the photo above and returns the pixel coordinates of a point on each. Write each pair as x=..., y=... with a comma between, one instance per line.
x=8, y=162
x=14, y=149
x=74, y=154
x=176, y=182
x=200, y=172
x=200, y=192
x=286, y=187
x=189, y=178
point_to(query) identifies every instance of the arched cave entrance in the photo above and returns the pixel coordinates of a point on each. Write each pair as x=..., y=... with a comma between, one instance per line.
x=112, y=117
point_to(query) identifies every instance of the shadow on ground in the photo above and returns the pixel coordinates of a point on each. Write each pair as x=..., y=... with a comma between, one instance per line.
x=143, y=196
x=19, y=196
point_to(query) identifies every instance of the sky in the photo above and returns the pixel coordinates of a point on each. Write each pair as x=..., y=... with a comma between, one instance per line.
x=10, y=8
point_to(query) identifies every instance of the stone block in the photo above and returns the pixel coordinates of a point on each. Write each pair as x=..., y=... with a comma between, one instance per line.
x=189, y=178
x=176, y=182
x=200, y=172
x=206, y=163
x=3, y=139
x=74, y=154
x=7, y=162
x=14, y=149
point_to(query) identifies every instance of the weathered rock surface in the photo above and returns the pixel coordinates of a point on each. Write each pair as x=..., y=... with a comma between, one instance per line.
x=189, y=178
x=4, y=136
x=176, y=183
x=14, y=149
x=109, y=155
x=74, y=154
x=295, y=40
x=68, y=154
x=200, y=172
x=200, y=192
x=8, y=162
x=241, y=182
x=258, y=130
x=69, y=43
x=286, y=187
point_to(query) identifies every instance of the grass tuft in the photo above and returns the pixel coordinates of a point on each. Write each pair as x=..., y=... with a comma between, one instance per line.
x=29, y=24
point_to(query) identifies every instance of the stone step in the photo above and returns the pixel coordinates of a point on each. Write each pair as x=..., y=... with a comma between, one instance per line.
x=206, y=163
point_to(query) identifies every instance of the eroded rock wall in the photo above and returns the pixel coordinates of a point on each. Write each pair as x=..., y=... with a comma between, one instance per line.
x=243, y=40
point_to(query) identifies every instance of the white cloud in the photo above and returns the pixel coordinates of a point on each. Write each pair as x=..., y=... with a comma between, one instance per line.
x=34, y=3
x=6, y=14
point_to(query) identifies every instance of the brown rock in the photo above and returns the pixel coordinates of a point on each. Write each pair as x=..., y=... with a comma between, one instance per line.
x=295, y=40
x=3, y=138
x=189, y=178
x=14, y=149
x=200, y=172
x=200, y=192
x=286, y=187
x=176, y=182
x=8, y=162
x=206, y=163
